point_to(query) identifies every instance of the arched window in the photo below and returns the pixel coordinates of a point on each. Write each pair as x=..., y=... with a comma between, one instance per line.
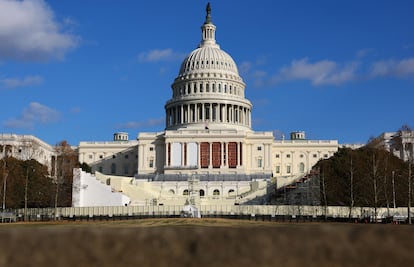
x=231, y=192
x=216, y=192
x=202, y=193
x=185, y=192
x=171, y=191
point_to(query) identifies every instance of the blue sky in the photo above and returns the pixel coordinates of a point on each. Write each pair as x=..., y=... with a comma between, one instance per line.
x=82, y=70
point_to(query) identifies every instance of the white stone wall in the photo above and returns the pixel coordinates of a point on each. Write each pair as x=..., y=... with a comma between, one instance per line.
x=25, y=147
x=87, y=191
x=112, y=157
x=296, y=157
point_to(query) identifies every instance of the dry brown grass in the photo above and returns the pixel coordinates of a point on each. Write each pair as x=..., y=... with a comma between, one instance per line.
x=204, y=242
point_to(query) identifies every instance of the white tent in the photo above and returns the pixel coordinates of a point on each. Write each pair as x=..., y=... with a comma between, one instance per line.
x=190, y=211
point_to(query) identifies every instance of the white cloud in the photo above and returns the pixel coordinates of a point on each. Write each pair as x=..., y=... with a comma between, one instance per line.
x=245, y=67
x=29, y=32
x=364, y=52
x=75, y=110
x=142, y=124
x=12, y=83
x=401, y=68
x=33, y=114
x=325, y=72
x=157, y=55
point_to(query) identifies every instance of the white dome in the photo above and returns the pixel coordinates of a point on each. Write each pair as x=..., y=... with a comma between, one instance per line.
x=208, y=59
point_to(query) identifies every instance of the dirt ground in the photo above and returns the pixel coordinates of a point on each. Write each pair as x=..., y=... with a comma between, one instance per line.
x=205, y=242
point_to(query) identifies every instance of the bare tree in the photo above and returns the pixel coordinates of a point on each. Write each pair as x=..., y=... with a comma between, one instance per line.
x=5, y=174
x=30, y=148
x=375, y=163
x=65, y=160
x=404, y=141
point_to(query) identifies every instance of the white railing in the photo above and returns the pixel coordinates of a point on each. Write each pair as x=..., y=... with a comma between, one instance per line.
x=223, y=210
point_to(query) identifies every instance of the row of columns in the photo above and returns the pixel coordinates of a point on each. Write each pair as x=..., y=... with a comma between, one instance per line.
x=203, y=112
x=194, y=88
x=224, y=154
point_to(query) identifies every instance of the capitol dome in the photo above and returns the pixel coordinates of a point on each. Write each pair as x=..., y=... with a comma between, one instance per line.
x=208, y=57
x=208, y=91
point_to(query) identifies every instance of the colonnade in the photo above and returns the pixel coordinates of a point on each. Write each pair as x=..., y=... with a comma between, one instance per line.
x=209, y=155
x=208, y=112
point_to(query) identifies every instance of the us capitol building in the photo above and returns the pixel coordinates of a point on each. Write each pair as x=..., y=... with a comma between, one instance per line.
x=208, y=152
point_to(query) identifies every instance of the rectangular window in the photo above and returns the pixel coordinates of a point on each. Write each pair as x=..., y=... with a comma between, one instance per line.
x=126, y=169
x=259, y=162
x=288, y=169
x=259, y=148
x=277, y=169
x=151, y=163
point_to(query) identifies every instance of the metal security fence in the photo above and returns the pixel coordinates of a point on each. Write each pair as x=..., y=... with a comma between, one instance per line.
x=232, y=211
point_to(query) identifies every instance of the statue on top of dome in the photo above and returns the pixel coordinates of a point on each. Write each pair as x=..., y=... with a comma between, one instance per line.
x=208, y=15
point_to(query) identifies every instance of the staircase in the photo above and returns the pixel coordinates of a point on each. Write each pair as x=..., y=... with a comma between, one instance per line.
x=302, y=191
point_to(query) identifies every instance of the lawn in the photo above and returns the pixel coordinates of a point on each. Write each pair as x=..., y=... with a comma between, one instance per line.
x=205, y=242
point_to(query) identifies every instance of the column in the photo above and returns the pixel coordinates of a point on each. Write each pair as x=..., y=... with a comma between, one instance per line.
x=141, y=156
x=229, y=113
x=238, y=154
x=182, y=114
x=188, y=113
x=191, y=113
x=203, y=112
x=269, y=155
x=222, y=154
x=250, y=118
